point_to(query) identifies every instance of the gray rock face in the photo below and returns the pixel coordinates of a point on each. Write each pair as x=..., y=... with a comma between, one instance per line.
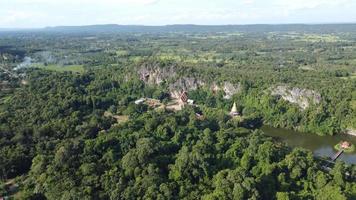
x=186, y=83
x=194, y=84
x=351, y=131
x=302, y=97
x=231, y=89
x=215, y=88
x=155, y=75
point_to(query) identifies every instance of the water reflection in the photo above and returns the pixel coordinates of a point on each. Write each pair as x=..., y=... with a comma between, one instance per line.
x=320, y=145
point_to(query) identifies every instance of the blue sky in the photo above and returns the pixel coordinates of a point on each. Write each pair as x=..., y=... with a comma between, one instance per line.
x=41, y=13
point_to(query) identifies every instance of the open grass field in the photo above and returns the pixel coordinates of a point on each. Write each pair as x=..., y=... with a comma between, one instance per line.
x=59, y=68
x=352, y=76
x=319, y=38
x=353, y=104
x=121, y=118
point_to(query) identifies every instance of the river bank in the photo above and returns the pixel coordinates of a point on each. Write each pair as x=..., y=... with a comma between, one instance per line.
x=322, y=146
x=351, y=132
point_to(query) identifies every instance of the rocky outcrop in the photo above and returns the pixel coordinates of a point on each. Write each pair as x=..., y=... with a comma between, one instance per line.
x=351, y=131
x=186, y=83
x=194, y=84
x=215, y=88
x=230, y=89
x=302, y=97
x=155, y=75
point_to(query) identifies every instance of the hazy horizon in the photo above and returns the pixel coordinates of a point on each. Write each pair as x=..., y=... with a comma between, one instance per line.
x=42, y=13
x=84, y=25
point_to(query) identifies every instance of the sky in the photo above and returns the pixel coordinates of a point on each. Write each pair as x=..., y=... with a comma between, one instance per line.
x=42, y=13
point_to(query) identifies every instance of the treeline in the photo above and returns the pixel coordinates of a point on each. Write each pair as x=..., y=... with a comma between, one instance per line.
x=57, y=142
x=332, y=115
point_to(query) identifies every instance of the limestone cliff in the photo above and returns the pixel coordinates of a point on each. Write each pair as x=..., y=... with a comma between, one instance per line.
x=231, y=89
x=302, y=97
x=155, y=75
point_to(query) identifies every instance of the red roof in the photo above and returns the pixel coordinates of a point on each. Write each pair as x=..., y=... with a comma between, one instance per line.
x=345, y=145
x=184, y=96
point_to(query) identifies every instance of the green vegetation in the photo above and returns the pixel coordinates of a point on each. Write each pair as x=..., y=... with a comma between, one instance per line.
x=352, y=76
x=70, y=135
x=319, y=38
x=61, y=139
x=348, y=150
x=58, y=68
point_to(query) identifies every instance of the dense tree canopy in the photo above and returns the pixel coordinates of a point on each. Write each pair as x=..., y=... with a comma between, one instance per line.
x=79, y=134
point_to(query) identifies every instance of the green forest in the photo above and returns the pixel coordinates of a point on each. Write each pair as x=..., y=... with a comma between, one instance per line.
x=70, y=127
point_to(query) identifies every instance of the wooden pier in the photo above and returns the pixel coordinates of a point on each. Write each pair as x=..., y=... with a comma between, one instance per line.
x=337, y=155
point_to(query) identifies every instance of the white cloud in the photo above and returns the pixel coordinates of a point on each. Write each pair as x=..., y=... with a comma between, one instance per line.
x=292, y=5
x=14, y=16
x=217, y=16
x=85, y=2
x=247, y=2
x=30, y=13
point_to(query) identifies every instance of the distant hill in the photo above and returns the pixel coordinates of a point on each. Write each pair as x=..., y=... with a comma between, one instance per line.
x=12, y=29
x=114, y=28
x=203, y=28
